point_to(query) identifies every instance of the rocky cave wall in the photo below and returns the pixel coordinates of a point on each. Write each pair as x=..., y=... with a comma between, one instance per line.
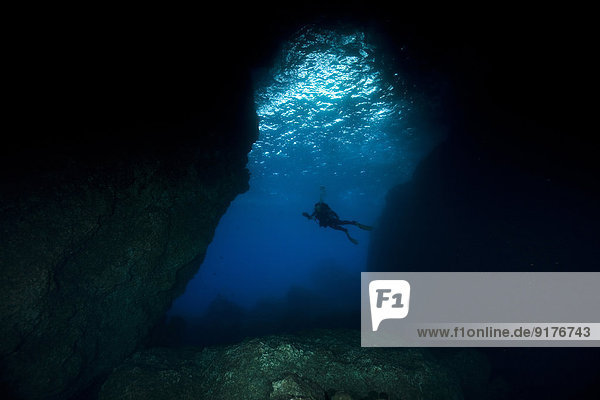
x=93, y=255
x=128, y=153
x=90, y=266
x=463, y=211
x=514, y=187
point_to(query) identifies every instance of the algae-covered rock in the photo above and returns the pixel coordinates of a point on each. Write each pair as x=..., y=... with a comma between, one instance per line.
x=293, y=387
x=303, y=366
x=93, y=256
x=88, y=271
x=341, y=395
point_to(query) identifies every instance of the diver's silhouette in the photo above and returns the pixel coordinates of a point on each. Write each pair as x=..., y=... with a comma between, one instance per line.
x=328, y=218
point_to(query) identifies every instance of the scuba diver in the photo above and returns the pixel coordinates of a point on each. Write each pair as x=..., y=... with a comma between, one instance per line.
x=326, y=217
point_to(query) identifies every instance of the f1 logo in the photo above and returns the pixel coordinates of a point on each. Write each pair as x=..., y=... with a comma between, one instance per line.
x=389, y=299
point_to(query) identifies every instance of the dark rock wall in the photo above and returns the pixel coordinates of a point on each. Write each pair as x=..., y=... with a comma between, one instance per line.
x=89, y=267
x=462, y=212
x=515, y=185
x=110, y=193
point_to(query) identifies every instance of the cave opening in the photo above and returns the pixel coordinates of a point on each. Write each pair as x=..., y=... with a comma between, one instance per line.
x=338, y=120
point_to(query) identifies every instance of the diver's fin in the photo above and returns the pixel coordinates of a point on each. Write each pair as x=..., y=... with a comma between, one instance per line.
x=365, y=227
x=351, y=238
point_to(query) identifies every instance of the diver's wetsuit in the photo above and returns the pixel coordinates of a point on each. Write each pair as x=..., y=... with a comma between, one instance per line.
x=328, y=218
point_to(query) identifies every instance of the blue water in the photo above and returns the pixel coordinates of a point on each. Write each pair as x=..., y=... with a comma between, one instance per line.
x=332, y=114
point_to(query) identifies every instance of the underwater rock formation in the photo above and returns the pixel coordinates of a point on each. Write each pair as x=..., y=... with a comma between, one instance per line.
x=464, y=212
x=103, y=223
x=304, y=366
x=90, y=266
x=128, y=151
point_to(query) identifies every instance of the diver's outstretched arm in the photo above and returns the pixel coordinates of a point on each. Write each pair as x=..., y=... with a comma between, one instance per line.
x=307, y=216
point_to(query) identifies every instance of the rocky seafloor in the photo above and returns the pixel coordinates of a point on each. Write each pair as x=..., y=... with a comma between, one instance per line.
x=315, y=365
